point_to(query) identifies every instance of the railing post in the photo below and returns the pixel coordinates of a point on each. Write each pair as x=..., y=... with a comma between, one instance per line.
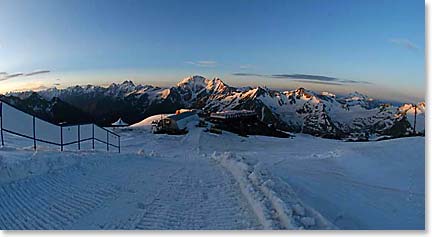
x=93, y=138
x=34, y=133
x=61, y=138
x=79, y=138
x=118, y=143
x=107, y=141
x=1, y=123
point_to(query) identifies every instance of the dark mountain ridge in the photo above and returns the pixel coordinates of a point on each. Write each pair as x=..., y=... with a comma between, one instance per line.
x=301, y=110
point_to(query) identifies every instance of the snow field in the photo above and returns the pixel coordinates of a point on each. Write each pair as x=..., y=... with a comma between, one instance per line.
x=272, y=212
x=141, y=188
x=208, y=181
x=123, y=192
x=370, y=185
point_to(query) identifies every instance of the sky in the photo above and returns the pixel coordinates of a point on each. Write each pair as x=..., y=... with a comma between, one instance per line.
x=375, y=47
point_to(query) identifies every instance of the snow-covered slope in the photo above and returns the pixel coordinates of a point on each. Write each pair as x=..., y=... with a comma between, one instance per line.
x=147, y=122
x=368, y=185
x=208, y=181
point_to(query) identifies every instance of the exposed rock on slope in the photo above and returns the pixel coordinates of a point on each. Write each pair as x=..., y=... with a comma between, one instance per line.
x=321, y=114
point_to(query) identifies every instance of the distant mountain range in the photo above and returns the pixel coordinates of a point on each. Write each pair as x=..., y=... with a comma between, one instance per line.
x=354, y=116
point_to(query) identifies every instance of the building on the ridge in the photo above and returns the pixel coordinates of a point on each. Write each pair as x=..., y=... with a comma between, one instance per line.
x=174, y=123
x=233, y=114
x=243, y=123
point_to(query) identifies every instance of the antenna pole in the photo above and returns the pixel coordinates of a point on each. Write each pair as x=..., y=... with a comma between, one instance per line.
x=1, y=123
x=93, y=136
x=79, y=137
x=61, y=137
x=34, y=132
x=415, y=118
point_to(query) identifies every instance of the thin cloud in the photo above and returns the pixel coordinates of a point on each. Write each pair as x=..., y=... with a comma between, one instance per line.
x=356, y=82
x=203, y=63
x=9, y=76
x=6, y=76
x=37, y=72
x=320, y=82
x=404, y=43
x=307, y=78
x=3, y=76
x=241, y=74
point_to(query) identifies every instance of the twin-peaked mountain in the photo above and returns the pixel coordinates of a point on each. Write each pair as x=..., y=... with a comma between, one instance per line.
x=321, y=114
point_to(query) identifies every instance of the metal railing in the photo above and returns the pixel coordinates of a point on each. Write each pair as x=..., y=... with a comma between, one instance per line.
x=31, y=123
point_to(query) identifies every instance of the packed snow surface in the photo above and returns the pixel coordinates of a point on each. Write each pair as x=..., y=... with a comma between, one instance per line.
x=370, y=185
x=207, y=181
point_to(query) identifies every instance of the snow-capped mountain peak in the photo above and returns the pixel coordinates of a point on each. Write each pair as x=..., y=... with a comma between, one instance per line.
x=193, y=81
x=299, y=110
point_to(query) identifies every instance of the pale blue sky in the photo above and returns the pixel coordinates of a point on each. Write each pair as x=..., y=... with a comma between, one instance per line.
x=380, y=42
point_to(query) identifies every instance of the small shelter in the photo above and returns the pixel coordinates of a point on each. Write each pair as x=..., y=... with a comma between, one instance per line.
x=119, y=123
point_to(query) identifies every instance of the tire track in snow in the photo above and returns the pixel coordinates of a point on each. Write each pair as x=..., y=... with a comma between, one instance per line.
x=271, y=210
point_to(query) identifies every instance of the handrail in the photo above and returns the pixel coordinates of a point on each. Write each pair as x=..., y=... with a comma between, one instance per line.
x=82, y=124
x=61, y=126
x=68, y=125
